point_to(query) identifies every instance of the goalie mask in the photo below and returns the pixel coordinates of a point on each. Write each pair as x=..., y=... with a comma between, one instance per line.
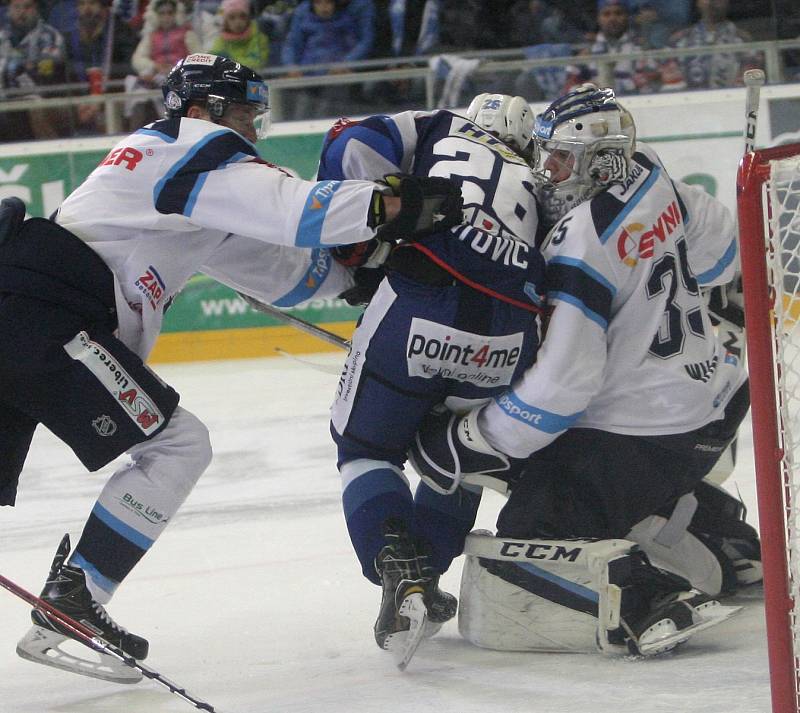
x=218, y=82
x=508, y=118
x=586, y=139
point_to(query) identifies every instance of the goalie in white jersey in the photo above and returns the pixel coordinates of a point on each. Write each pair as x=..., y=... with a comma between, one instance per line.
x=630, y=403
x=82, y=297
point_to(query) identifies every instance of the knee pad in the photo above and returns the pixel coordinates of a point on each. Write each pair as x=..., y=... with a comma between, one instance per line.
x=180, y=453
x=714, y=548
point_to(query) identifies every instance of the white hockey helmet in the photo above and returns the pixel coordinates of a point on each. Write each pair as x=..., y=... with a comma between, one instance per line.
x=508, y=118
x=586, y=139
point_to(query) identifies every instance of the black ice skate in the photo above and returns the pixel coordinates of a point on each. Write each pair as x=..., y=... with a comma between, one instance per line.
x=412, y=605
x=66, y=591
x=663, y=610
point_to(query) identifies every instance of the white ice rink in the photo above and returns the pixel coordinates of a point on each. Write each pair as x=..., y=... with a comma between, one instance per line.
x=253, y=600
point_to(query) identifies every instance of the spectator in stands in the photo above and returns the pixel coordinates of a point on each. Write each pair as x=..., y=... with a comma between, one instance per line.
x=535, y=22
x=273, y=20
x=240, y=39
x=709, y=71
x=327, y=31
x=544, y=30
x=166, y=38
x=205, y=20
x=100, y=40
x=616, y=36
x=31, y=54
x=651, y=26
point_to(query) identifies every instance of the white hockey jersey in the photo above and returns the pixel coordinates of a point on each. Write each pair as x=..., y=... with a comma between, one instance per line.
x=182, y=196
x=629, y=347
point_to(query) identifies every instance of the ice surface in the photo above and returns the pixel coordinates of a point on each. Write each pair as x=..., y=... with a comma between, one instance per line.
x=253, y=599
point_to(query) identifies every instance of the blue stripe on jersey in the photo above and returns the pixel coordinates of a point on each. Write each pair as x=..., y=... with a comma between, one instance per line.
x=166, y=130
x=314, y=276
x=575, y=282
x=202, y=179
x=121, y=528
x=631, y=204
x=380, y=133
x=105, y=583
x=535, y=417
x=309, y=229
x=713, y=273
x=177, y=191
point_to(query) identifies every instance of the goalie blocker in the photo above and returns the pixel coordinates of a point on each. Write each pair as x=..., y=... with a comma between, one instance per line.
x=576, y=596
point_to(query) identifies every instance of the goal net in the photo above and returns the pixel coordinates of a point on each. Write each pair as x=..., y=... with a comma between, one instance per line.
x=769, y=227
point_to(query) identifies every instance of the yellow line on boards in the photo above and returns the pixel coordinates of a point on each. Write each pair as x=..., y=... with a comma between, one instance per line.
x=247, y=343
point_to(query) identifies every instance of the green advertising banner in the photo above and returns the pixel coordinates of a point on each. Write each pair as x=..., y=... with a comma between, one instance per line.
x=207, y=305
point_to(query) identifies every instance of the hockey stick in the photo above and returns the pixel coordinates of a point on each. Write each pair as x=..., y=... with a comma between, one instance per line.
x=300, y=324
x=733, y=325
x=753, y=81
x=86, y=636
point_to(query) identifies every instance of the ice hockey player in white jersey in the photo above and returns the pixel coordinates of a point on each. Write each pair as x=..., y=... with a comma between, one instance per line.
x=457, y=318
x=82, y=297
x=629, y=405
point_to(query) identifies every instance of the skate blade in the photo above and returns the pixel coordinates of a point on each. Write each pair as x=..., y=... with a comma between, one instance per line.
x=664, y=636
x=48, y=647
x=404, y=644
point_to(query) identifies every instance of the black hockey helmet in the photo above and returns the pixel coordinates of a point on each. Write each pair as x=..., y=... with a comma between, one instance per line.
x=217, y=81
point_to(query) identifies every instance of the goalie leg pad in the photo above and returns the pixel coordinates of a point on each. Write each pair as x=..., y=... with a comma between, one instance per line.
x=539, y=595
x=577, y=596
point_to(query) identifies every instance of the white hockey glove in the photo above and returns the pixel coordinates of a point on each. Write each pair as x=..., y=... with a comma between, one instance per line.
x=449, y=449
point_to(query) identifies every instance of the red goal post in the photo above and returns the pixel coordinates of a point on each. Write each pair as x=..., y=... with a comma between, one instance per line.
x=768, y=194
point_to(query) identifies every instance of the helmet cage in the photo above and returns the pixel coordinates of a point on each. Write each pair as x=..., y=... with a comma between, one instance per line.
x=586, y=140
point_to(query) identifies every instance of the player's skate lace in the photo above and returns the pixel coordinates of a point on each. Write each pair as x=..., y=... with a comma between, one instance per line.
x=66, y=591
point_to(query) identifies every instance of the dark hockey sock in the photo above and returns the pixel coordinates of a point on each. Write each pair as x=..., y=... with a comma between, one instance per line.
x=368, y=501
x=108, y=550
x=444, y=521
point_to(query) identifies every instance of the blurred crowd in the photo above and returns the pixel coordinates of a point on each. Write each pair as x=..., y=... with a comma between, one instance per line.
x=75, y=46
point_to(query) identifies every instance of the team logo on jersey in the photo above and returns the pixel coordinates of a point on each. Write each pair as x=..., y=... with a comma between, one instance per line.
x=634, y=243
x=104, y=425
x=151, y=286
x=435, y=350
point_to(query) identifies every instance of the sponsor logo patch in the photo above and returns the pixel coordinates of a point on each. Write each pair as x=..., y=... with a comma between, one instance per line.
x=133, y=400
x=151, y=286
x=434, y=350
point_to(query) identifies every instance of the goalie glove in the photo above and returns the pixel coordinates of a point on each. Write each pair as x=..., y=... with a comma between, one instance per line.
x=426, y=205
x=449, y=449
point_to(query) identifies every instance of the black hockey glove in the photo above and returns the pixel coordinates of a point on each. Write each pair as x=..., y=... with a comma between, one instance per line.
x=12, y=215
x=366, y=285
x=449, y=448
x=427, y=205
x=725, y=304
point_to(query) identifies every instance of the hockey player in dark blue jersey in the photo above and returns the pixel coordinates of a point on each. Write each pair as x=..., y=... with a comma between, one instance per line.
x=456, y=319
